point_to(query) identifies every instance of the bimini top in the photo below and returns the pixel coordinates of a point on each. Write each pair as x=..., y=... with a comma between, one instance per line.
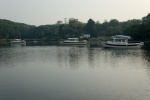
x=121, y=37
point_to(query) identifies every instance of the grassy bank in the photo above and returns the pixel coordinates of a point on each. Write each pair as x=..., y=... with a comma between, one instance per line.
x=4, y=42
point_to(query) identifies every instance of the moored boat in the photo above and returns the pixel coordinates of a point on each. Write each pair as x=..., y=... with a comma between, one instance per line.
x=17, y=42
x=73, y=41
x=121, y=41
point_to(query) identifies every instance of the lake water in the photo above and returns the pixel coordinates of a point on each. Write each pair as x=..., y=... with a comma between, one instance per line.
x=73, y=73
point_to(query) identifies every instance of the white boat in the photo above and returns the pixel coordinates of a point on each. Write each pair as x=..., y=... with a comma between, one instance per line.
x=18, y=42
x=73, y=41
x=121, y=41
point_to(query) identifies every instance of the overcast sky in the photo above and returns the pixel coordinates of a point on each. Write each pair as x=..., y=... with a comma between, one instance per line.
x=42, y=12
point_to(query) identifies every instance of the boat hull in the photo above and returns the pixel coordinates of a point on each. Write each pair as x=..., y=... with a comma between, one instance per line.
x=123, y=46
x=18, y=43
x=73, y=43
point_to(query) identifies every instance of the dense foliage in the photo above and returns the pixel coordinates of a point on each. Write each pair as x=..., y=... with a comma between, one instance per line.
x=137, y=29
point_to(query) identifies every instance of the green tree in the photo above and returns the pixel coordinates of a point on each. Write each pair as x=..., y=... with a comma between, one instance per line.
x=114, y=22
x=76, y=27
x=91, y=28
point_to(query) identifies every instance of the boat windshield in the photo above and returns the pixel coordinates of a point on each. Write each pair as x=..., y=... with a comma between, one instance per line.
x=73, y=39
x=117, y=40
x=120, y=40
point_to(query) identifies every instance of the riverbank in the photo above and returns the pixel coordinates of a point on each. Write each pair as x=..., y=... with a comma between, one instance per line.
x=94, y=42
x=4, y=42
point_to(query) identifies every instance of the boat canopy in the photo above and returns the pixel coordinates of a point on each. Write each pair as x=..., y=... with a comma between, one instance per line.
x=72, y=38
x=121, y=37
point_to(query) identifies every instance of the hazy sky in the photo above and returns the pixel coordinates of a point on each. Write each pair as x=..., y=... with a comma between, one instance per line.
x=41, y=12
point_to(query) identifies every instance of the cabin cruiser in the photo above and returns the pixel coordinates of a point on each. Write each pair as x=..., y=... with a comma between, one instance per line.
x=73, y=41
x=18, y=42
x=121, y=41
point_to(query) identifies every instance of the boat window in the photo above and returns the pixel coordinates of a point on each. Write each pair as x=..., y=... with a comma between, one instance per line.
x=123, y=40
x=72, y=40
x=77, y=39
x=117, y=40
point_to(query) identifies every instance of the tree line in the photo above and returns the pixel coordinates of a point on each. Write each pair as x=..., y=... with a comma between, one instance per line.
x=138, y=29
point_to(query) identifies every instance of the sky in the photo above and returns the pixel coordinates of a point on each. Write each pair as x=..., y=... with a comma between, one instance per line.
x=43, y=12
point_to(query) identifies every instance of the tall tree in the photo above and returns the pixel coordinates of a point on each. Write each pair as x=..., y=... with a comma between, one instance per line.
x=91, y=28
x=76, y=27
x=113, y=22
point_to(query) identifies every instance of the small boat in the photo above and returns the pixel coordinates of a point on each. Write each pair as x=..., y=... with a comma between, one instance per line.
x=17, y=42
x=121, y=41
x=73, y=41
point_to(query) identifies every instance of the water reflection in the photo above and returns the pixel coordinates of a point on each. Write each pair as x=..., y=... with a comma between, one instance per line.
x=73, y=73
x=70, y=56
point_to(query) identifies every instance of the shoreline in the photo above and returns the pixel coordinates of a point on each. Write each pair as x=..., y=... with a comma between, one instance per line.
x=94, y=42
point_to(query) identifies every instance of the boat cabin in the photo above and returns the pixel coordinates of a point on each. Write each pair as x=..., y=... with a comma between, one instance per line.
x=121, y=38
x=72, y=40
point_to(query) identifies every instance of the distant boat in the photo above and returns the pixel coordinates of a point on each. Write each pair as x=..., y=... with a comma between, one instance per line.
x=121, y=41
x=73, y=41
x=18, y=42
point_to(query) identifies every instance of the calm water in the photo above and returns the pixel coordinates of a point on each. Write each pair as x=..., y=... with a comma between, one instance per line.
x=73, y=73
